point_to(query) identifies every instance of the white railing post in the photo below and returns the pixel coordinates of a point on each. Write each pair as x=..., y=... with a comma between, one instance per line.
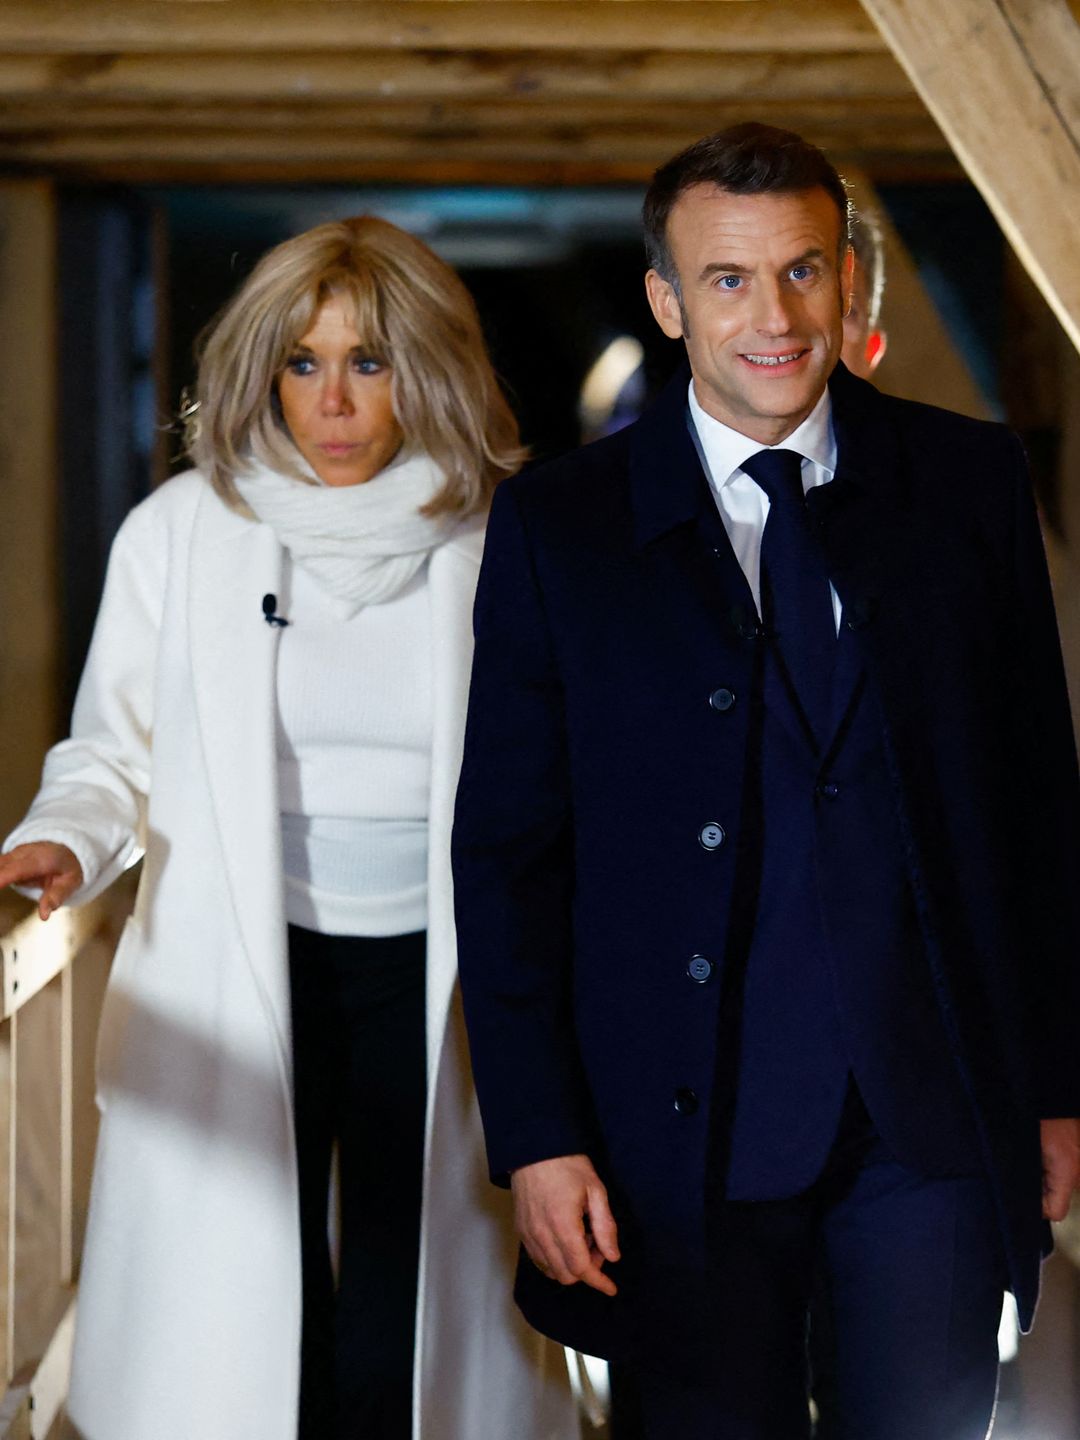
x=51, y=981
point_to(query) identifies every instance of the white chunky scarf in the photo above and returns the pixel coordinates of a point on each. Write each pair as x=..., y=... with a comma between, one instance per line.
x=362, y=543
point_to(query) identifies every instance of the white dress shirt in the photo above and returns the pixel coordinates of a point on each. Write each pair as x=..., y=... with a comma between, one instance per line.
x=743, y=505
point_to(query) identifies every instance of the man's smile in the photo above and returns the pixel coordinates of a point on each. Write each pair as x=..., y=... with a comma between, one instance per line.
x=766, y=361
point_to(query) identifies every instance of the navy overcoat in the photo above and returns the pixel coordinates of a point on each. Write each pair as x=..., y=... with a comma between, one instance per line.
x=610, y=610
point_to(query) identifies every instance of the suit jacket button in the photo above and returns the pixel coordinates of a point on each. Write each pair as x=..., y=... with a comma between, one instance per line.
x=699, y=968
x=829, y=790
x=711, y=836
x=722, y=699
x=686, y=1101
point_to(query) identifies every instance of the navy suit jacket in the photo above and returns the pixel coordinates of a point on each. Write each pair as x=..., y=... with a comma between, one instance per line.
x=610, y=610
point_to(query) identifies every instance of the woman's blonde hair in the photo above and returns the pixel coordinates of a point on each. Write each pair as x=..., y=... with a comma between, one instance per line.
x=414, y=313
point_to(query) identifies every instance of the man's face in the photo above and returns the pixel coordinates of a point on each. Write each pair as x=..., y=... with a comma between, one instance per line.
x=760, y=277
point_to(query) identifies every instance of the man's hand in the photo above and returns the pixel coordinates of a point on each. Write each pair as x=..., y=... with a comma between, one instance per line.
x=1061, y=1165
x=52, y=868
x=564, y=1220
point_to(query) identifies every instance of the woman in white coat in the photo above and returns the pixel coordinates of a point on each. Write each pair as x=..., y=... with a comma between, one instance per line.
x=271, y=713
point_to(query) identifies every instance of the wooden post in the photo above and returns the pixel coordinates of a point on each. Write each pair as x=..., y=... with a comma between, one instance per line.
x=29, y=598
x=8, y=1068
x=40, y=1295
x=66, y=1119
x=52, y=978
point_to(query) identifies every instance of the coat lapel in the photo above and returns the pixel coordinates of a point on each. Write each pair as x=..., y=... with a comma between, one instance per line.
x=452, y=575
x=234, y=563
x=861, y=518
x=858, y=513
x=677, y=526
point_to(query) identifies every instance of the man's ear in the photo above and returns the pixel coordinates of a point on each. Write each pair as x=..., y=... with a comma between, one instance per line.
x=664, y=304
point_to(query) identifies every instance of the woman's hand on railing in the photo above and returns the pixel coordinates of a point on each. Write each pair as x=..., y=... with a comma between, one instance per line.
x=46, y=866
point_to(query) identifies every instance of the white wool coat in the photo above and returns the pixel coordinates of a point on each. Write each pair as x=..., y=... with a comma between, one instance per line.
x=189, y=1300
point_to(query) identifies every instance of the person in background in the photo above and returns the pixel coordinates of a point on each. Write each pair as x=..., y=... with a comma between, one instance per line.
x=271, y=714
x=865, y=342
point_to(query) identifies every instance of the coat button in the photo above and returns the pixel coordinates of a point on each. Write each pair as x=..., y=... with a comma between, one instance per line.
x=686, y=1101
x=722, y=699
x=699, y=968
x=828, y=791
x=711, y=836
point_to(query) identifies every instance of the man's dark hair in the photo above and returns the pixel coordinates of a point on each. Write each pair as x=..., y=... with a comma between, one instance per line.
x=747, y=159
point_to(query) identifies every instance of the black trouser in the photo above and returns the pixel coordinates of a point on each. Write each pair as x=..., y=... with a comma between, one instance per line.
x=905, y=1274
x=359, y=1079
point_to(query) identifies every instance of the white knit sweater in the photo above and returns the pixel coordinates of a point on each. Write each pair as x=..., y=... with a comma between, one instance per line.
x=354, y=758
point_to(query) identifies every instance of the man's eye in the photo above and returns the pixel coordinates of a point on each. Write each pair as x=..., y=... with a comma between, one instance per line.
x=801, y=272
x=730, y=282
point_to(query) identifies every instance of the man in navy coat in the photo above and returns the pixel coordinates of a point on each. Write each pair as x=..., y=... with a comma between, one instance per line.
x=767, y=856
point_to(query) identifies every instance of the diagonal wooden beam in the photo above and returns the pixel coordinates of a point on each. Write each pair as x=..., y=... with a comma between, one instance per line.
x=1002, y=79
x=1050, y=34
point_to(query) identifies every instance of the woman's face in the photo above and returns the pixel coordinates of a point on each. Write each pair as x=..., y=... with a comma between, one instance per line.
x=335, y=400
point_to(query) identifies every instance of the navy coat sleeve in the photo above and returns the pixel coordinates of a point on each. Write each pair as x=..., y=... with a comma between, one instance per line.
x=513, y=868
x=1051, y=815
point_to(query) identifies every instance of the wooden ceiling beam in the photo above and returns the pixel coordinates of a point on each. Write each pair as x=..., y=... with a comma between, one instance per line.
x=73, y=27
x=229, y=78
x=646, y=148
x=885, y=165
x=1002, y=79
x=43, y=116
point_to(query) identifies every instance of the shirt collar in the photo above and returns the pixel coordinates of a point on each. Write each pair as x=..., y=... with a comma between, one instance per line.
x=724, y=449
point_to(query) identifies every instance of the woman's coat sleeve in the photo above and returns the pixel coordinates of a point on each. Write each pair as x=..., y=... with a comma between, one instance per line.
x=95, y=784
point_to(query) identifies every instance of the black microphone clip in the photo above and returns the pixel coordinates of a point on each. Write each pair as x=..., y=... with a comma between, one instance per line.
x=269, y=605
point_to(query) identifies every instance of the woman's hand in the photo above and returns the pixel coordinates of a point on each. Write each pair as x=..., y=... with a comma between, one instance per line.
x=52, y=868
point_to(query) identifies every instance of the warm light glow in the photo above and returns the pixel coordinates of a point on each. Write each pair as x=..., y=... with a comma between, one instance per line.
x=607, y=377
x=589, y=1382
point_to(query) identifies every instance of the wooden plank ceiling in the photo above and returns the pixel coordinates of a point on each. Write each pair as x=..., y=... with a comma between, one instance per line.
x=448, y=90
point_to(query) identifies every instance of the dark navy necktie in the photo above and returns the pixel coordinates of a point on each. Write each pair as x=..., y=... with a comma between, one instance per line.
x=796, y=603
